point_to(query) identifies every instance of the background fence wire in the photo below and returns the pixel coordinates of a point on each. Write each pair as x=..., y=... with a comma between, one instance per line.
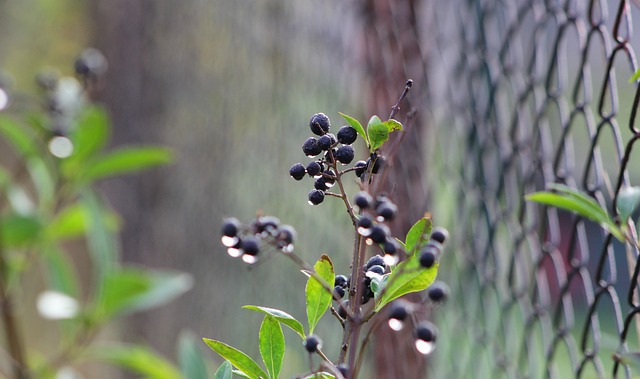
x=528, y=93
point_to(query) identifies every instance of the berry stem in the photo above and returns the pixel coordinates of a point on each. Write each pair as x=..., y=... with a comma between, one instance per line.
x=356, y=321
x=364, y=344
x=396, y=107
x=343, y=193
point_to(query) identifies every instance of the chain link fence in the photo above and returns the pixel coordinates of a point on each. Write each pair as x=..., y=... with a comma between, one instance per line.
x=527, y=93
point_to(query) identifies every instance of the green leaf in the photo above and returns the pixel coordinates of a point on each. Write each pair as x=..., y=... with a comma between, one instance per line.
x=635, y=76
x=17, y=135
x=133, y=289
x=408, y=277
x=377, y=132
x=418, y=235
x=378, y=282
x=125, y=161
x=192, y=363
x=579, y=203
x=19, y=230
x=320, y=375
x=74, y=221
x=101, y=242
x=627, y=202
x=91, y=134
x=317, y=296
x=138, y=359
x=281, y=316
x=237, y=358
x=241, y=374
x=60, y=271
x=393, y=125
x=356, y=125
x=225, y=371
x=272, y=345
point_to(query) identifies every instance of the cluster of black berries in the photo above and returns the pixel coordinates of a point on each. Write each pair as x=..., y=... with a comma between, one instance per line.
x=375, y=266
x=431, y=252
x=245, y=240
x=425, y=332
x=371, y=223
x=331, y=149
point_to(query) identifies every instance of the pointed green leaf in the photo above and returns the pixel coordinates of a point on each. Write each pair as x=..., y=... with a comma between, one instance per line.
x=74, y=220
x=225, y=371
x=378, y=282
x=377, y=132
x=61, y=275
x=237, y=358
x=101, y=241
x=393, y=125
x=19, y=230
x=627, y=202
x=356, y=125
x=18, y=136
x=138, y=359
x=241, y=374
x=418, y=235
x=126, y=161
x=408, y=277
x=192, y=363
x=91, y=134
x=272, y=345
x=281, y=316
x=318, y=297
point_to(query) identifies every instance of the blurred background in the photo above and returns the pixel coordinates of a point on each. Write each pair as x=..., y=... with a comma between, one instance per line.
x=508, y=96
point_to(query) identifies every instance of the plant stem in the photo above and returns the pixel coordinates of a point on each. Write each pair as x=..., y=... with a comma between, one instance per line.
x=356, y=321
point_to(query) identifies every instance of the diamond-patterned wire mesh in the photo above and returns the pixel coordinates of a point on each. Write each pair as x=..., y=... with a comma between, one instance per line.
x=526, y=93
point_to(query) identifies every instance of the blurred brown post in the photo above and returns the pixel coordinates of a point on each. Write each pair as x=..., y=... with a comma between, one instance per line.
x=392, y=54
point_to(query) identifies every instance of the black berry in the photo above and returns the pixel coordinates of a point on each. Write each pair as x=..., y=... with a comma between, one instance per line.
x=365, y=222
x=286, y=235
x=250, y=246
x=91, y=62
x=327, y=141
x=360, y=167
x=390, y=246
x=438, y=292
x=399, y=310
x=387, y=211
x=310, y=147
x=341, y=281
x=427, y=258
x=379, y=162
x=267, y=224
x=347, y=135
x=376, y=269
x=439, y=234
x=230, y=227
x=376, y=260
x=342, y=309
x=329, y=177
x=297, y=171
x=363, y=200
x=314, y=169
x=330, y=156
x=345, y=154
x=344, y=370
x=321, y=184
x=379, y=233
x=338, y=292
x=312, y=343
x=316, y=197
x=426, y=331
x=319, y=124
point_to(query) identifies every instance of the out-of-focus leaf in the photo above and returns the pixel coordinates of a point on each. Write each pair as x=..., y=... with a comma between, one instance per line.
x=237, y=358
x=91, y=134
x=317, y=296
x=635, y=76
x=125, y=161
x=417, y=235
x=19, y=230
x=74, y=221
x=377, y=132
x=17, y=136
x=356, y=125
x=192, y=363
x=42, y=177
x=272, y=345
x=138, y=359
x=225, y=371
x=408, y=277
x=281, y=316
x=100, y=239
x=60, y=272
x=627, y=202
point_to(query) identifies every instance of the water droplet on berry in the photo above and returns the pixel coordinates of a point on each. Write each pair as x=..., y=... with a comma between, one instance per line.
x=330, y=184
x=369, y=241
x=233, y=252
x=229, y=241
x=396, y=324
x=390, y=260
x=60, y=147
x=364, y=231
x=250, y=259
x=288, y=248
x=424, y=347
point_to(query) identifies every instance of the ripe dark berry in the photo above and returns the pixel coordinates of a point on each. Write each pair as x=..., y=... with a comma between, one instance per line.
x=344, y=370
x=312, y=343
x=319, y=124
x=427, y=258
x=286, y=235
x=345, y=154
x=316, y=197
x=329, y=178
x=310, y=147
x=230, y=227
x=387, y=211
x=327, y=141
x=91, y=62
x=439, y=234
x=399, y=310
x=360, y=167
x=267, y=224
x=341, y=281
x=426, y=331
x=379, y=233
x=250, y=246
x=438, y=292
x=342, y=309
x=330, y=156
x=314, y=169
x=376, y=260
x=338, y=292
x=363, y=200
x=347, y=135
x=321, y=184
x=364, y=225
x=297, y=171
x=376, y=269
x=378, y=164
x=390, y=246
